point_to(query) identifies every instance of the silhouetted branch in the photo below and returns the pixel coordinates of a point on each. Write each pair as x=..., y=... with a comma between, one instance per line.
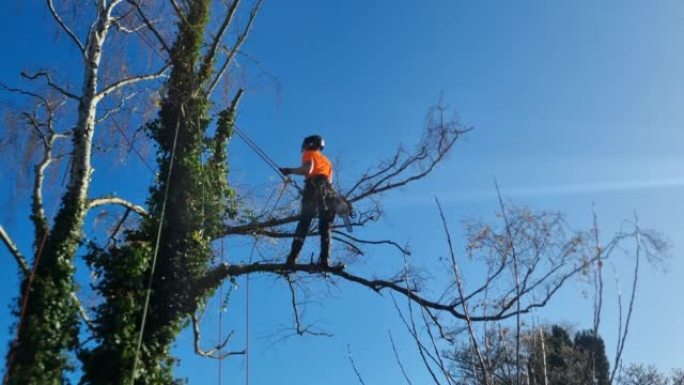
x=149, y=25
x=461, y=295
x=396, y=355
x=53, y=85
x=353, y=364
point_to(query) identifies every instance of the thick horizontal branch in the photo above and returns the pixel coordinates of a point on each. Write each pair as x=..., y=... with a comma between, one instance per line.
x=258, y=227
x=116, y=201
x=223, y=271
x=14, y=250
x=132, y=80
x=53, y=85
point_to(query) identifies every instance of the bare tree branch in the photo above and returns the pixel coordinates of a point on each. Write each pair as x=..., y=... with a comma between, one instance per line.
x=299, y=328
x=205, y=70
x=14, y=250
x=401, y=249
x=516, y=279
x=131, y=80
x=459, y=286
x=63, y=25
x=82, y=312
x=92, y=203
x=177, y=9
x=116, y=109
x=149, y=24
x=50, y=83
x=215, y=352
x=396, y=355
x=622, y=338
x=353, y=364
x=235, y=48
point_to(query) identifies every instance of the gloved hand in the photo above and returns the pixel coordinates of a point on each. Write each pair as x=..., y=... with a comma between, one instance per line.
x=285, y=170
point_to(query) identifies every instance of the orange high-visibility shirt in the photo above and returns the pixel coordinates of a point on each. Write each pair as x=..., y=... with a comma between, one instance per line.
x=321, y=164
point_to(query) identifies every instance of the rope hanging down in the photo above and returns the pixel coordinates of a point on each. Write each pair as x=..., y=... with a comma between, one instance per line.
x=148, y=291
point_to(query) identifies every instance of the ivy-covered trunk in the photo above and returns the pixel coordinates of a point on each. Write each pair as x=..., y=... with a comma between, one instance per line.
x=48, y=323
x=190, y=199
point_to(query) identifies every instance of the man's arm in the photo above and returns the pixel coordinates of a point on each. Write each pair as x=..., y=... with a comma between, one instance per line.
x=304, y=169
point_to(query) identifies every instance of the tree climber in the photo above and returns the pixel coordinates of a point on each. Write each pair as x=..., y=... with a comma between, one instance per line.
x=318, y=197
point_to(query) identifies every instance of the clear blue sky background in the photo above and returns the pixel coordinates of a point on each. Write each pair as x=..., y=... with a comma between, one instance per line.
x=572, y=103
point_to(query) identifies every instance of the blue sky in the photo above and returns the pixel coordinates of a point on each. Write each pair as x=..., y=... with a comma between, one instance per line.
x=572, y=104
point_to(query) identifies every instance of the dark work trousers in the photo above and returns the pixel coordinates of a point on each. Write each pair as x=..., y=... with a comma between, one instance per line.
x=318, y=199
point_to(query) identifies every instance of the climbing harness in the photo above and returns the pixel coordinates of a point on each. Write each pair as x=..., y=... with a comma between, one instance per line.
x=343, y=208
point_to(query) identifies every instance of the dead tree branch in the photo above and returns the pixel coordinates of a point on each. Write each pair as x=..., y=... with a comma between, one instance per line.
x=300, y=329
x=516, y=278
x=115, y=110
x=396, y=356
x=83, y=313
x=131, y=80
x=53, y=85
x=461, y=295
x=208, y=61
x=401, y=249
x=622, y=333
x=214, y=353
x=353, y=365
x=14, y=250
x=62, y=24
x=236, y=47
x=92, y=203
x=150, y=25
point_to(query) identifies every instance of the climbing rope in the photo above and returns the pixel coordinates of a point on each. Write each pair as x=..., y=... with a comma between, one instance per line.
x=264, y=156
x=148, y=291
x=220, y=320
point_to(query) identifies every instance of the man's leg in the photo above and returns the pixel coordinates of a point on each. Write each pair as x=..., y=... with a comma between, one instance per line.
x=299, y=237
x=325, y=219
x=307, y=213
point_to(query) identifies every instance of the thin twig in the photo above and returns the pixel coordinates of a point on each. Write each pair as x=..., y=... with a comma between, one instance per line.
x=53, y=85
x=459, y=286
x=353, y=364
x=396, y=355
